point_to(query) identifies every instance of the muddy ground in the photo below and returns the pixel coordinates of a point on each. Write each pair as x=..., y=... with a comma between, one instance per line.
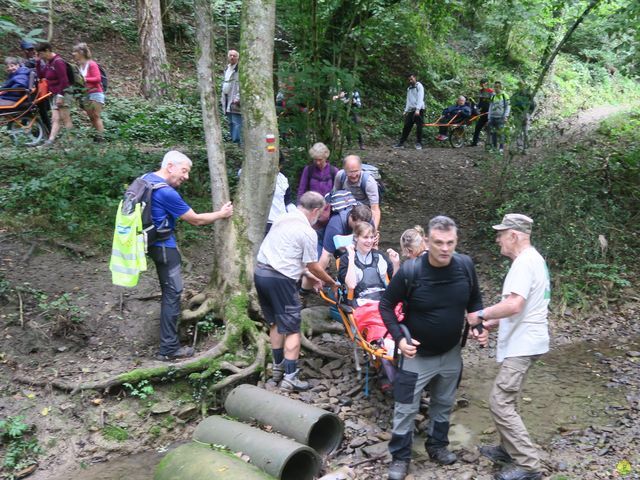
x=581, y=403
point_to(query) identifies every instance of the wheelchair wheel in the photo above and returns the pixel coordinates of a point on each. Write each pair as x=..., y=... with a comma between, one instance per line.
x=456, y=137
x=27, y=131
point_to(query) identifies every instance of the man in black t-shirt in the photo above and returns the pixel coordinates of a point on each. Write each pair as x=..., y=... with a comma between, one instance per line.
x=445, y=288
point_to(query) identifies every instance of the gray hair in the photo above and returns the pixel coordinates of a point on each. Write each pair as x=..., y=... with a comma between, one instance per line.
x=12, y=61
x=311, y=200
x=443, y=223
x=319, y=150
x=176, y=158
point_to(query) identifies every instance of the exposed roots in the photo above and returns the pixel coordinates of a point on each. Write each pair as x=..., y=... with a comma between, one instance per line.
x=312, y=347
x=238, y=327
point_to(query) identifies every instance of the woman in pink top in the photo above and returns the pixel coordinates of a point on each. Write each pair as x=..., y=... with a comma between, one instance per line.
x=94, y=101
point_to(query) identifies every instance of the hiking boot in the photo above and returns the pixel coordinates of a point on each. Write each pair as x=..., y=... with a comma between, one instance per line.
x=277, y=371
x=418, y=146
x=398, y=470
x=182, y=352
x=398, y=145
x=513, y=472
x=442, y=455
x=495, y=453
x=291, y=383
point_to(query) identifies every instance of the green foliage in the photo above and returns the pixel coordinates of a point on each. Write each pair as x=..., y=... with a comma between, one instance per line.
x=585, y=203
x=76, y=193
x=142, y=390
x=115, y=433
x=20, y=449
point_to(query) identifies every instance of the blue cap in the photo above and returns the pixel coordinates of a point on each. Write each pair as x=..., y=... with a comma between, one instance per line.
x=26, y=44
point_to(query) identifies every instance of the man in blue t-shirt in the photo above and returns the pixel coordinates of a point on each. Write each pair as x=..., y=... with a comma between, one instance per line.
x=166, y=207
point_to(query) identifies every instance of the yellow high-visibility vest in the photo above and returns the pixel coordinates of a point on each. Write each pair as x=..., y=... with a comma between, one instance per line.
x=128, y=257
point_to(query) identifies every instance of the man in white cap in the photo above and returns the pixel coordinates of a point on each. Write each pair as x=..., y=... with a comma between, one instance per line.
x=523, y=337
x=167, y=206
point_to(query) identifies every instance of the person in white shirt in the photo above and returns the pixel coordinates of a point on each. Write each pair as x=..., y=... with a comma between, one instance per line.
x=281, y=202
x=288, y=250
x=230, y=97
x=413, y=112
x=523, y=336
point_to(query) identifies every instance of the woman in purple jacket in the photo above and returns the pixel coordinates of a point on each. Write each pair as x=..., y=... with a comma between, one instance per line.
x=55, y=71
x=317, y=177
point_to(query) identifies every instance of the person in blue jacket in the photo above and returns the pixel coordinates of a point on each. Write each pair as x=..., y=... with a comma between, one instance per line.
x=458, y=113
x=18, y=78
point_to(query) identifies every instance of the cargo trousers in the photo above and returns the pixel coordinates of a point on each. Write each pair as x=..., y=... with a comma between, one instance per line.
x=441, y=373
x=503, y=400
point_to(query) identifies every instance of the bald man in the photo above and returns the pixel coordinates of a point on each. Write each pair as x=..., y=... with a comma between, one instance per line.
x=363, y=186
x=230, y=97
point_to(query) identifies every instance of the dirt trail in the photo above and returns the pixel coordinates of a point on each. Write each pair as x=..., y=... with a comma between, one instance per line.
x=120, y=333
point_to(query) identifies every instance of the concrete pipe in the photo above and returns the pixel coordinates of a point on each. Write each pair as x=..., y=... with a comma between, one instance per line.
x=193, y=461
x=309, y=425
x=278, y=456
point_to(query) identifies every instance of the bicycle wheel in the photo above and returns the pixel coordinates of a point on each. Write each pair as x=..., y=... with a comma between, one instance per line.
x=456, y=137
x=27, y=131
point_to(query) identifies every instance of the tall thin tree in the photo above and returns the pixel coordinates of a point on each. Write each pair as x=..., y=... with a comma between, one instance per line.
x=155, y=68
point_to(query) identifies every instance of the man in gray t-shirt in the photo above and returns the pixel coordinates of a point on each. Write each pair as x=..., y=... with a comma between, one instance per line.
x=286, y=253
x=351, y=178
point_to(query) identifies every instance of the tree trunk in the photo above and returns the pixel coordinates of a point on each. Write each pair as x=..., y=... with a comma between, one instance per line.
x=593, y=4
x=50, y=22
x=260, y=127
x=155, y=72
x=225, y=276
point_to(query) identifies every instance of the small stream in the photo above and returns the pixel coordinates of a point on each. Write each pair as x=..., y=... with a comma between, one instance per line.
x=566, y=390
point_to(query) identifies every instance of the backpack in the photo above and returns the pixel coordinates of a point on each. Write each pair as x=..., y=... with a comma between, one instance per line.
x=73, y=74
x=340, y=200
x=140, y=192
x=411, y=271
x=380, y=282
x=366, y=171
x=103, y=78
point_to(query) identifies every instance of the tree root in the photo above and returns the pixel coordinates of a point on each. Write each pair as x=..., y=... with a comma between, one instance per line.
x=312, y=347
x=241, y=374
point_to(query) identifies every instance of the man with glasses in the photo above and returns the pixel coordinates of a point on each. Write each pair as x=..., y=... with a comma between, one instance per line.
x=362, y=185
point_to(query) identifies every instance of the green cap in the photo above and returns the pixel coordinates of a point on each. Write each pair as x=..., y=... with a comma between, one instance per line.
x=517, y=222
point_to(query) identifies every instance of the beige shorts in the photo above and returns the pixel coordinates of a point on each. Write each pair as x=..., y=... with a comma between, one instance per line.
x=67, y=99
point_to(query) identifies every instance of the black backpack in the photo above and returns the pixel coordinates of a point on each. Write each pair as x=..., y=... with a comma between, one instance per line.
x=140, y=192
x=103, y=78
x=411, y=270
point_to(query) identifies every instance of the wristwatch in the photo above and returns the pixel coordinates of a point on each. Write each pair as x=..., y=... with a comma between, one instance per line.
x=481, y=314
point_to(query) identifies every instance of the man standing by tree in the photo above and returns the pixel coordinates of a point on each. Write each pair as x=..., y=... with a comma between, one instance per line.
x=289, y=248
x=166, y=207
x=484, y=100
x=230, y=97
x=436, y=294
x=413, y=112
x=523, y=337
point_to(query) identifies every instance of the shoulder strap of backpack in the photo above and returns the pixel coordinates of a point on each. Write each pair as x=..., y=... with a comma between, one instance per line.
x=364, y=178
x=467, y=266
x=343, y=177
x=411, y=271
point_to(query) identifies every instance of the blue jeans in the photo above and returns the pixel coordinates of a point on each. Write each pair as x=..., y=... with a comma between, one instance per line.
x=168, y=262
x=235, y=127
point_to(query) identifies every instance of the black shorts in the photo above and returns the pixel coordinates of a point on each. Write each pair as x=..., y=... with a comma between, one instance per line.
x=279, y=299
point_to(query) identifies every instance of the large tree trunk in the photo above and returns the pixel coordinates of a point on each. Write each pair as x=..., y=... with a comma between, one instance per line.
x=593, y=4
x=226, y=268
x=155, y=72
x=260, y=127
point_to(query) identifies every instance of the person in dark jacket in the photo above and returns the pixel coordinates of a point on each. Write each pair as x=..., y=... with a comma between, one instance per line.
x=31, y=61
x=455, y=114
x=443, y=289
x=55, y=71
x=484, y=100
x=18, y=79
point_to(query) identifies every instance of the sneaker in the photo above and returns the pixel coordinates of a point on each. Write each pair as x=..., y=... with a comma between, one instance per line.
x=501, y=150
x=398, y=470
x=495, y=453
x=398, y=145
x=513, y=472
x=291, y=383
x=418, y=146
x=442, y=455
x=277, y=371
x=182, y=352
